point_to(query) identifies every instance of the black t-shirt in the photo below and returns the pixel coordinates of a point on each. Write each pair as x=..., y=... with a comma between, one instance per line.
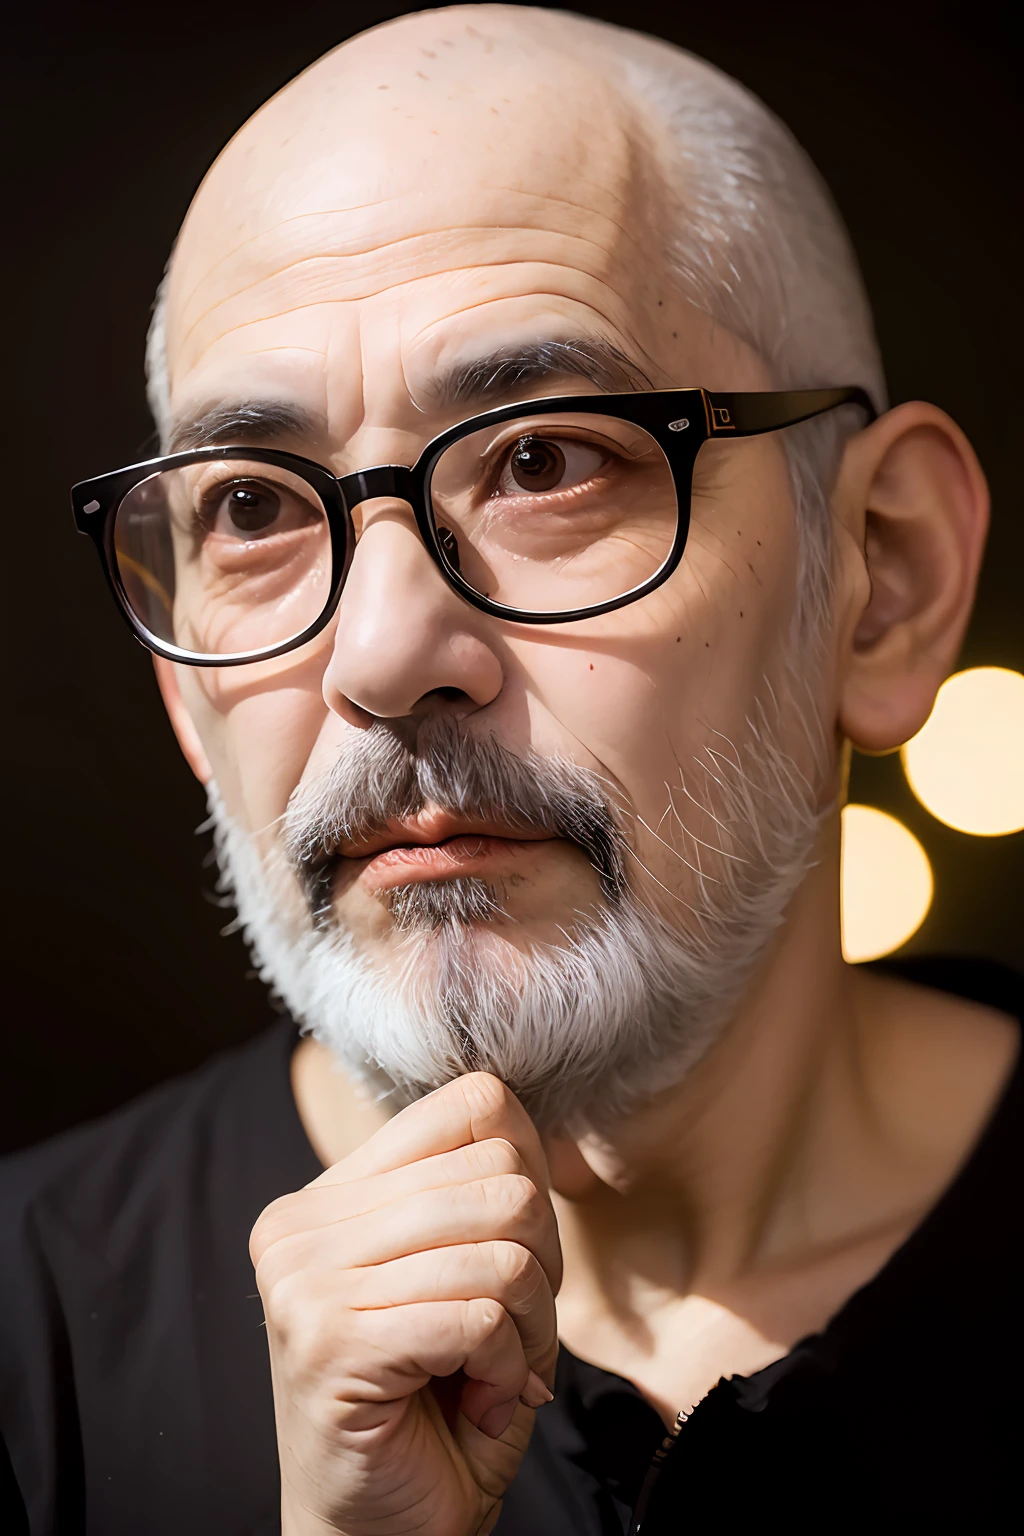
x=135, y=1394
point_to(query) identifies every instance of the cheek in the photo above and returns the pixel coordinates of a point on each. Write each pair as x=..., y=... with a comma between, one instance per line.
x=258, y=732
x=638, y=703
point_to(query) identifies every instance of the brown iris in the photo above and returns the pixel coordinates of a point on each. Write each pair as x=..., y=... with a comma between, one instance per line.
x=537, y=465
x=251, y=508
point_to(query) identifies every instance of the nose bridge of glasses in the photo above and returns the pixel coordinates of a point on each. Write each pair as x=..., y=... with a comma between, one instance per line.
x=394, y=480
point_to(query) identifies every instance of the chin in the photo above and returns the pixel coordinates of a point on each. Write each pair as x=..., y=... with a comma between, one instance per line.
x=495, y=915
x=584, y=1019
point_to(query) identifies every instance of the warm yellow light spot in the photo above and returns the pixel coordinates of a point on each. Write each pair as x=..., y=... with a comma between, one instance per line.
x=966, y=763
x=886, y=883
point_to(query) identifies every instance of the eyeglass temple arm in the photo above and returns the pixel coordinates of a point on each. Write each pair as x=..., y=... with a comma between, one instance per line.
x=746, y=414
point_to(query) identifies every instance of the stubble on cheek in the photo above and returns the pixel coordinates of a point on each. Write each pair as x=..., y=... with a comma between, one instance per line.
x=682, y=718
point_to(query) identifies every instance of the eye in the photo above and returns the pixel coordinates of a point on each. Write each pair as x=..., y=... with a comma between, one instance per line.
x=252, y=509
x=249, y=508
x=539, y=464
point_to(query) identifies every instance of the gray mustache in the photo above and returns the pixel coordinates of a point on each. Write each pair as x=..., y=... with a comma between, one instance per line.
x=383, y=777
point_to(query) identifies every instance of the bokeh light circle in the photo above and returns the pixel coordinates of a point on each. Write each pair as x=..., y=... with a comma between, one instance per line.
x=966, y=763
x=886, y=883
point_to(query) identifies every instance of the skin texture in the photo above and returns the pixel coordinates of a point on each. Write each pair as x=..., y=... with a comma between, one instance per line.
x=436, y=189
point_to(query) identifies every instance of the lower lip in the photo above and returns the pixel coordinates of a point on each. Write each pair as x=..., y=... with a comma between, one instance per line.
x=467, y=855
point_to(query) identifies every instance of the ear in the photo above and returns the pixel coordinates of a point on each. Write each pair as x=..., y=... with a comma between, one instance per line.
x=912, y=492
x=181, y=720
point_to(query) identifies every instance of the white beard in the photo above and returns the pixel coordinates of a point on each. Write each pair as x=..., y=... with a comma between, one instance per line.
x=583, y=1031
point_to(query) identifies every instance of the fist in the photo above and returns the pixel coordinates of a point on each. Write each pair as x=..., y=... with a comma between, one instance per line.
x=409, y=1298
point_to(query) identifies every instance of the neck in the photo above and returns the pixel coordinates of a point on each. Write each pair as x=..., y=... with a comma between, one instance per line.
x=720, y=1157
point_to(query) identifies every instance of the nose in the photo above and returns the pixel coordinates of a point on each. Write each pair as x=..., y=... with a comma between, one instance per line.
x=405, y=643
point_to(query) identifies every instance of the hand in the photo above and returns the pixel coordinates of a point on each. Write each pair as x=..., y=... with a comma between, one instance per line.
x=409, y=1297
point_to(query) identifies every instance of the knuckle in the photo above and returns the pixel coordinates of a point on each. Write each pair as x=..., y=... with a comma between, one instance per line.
x=294, y=1254
x=497, y=1156
x=269, y=1227
x=484, y=1316
x=514, y=1195
x=313, y=1332
x=297, y=1316
x=515, y=1266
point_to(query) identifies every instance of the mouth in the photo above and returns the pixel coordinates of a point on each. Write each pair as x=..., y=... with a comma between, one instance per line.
x=435, y=845
x=469, y=854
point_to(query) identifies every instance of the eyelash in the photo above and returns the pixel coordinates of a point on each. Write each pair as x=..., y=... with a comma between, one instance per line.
x=503, y=453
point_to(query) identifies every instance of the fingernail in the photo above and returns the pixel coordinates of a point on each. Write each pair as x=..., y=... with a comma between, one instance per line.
x=497, y=1419
x=535, y=1394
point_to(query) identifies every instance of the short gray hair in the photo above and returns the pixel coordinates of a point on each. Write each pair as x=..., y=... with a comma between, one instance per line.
x=762, y=249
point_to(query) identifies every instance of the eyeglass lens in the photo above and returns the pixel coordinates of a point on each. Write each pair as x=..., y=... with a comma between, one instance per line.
x=224, y=557
x=550, y=513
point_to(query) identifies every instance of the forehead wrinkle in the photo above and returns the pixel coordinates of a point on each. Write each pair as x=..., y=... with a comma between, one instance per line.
x=342, y=211
x=535, y=292
x=254, y=320
x=287, y=346
x=326, y=258
x=467, y=192
x=403, y=245
x=613, y=251
x=263, y=234
x=568, y=202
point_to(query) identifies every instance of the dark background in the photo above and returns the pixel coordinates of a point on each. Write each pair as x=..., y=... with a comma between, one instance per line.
x=117, y=975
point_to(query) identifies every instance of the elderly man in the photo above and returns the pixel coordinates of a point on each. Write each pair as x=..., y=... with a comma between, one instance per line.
x=525, y=552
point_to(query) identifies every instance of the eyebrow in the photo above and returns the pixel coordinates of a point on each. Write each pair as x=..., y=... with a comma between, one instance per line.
x=474, y=385
x=484, y=381
x=244, y=421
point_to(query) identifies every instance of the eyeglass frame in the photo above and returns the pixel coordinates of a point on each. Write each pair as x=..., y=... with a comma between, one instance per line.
x=680, y=421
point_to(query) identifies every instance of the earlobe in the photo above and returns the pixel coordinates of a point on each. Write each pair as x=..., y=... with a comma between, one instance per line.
x=181, y=720
x=915, y=485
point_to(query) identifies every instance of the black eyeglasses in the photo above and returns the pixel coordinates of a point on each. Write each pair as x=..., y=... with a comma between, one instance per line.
x=541, y=513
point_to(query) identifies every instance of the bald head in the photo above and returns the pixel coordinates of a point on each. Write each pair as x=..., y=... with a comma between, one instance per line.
x=404, y=159
x=409, y=153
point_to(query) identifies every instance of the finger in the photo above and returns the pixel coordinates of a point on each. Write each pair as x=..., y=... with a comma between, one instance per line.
x=319, y=1205
x=405, y=1346
x=476, y=1107
x=504, y=1272
x=505, y=1207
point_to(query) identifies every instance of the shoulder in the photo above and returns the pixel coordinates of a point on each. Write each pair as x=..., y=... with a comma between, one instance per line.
x=135, y=1228
x=95, y=1176
x=943, y=1048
